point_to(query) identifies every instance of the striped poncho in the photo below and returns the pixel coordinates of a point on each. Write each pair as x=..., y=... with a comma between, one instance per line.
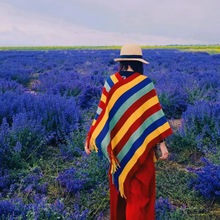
x=128, y=123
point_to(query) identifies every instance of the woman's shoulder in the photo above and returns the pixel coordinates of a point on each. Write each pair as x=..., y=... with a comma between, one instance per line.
x=115, y=77
x=145, y=77
x=111, y=80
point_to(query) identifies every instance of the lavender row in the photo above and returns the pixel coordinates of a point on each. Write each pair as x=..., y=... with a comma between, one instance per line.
x=47, y=101
x=181, y=78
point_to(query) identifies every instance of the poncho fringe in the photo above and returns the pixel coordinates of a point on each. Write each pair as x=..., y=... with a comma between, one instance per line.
x=128, y=123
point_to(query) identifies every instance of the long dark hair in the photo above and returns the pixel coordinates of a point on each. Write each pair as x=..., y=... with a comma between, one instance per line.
x=136, y=66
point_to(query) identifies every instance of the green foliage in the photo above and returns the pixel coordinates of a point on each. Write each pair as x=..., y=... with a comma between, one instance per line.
x=170, y=175
x=183, y=150
x=22, y=144
x=97, y=200
x=212, y=49
x=34, y=165
x=172, y=182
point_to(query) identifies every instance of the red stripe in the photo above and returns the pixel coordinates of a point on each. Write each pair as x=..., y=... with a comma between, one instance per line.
x=135, y=126
x=143, y=157
x=113, y=89
x=165, y=134
x=118, y=76
x=101, y=104
x=130, y=110
x=122, y=82
x=104, y=91
x=111, y=92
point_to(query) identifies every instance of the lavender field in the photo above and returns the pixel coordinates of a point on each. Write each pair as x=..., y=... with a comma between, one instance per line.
x=47, y=102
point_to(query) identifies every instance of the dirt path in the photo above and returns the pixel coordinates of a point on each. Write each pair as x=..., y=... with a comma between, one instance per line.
x=175, y=123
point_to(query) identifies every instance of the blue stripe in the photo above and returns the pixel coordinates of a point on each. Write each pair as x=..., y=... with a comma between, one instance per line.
x=136, y=145
x=110, y=82
x=121, y=110
x=96, y=116
x=127, y=95
x=120, y=102
x=136, y=134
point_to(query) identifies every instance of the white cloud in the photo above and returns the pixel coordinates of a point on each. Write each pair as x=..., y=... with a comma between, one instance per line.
x=98, y=22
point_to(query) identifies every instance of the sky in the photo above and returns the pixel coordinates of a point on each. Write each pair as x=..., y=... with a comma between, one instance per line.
x=108, y=22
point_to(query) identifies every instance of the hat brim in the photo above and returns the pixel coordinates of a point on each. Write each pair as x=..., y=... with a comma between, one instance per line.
x=131, y=59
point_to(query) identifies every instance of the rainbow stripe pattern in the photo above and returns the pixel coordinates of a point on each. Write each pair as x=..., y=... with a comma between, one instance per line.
x=128, y=123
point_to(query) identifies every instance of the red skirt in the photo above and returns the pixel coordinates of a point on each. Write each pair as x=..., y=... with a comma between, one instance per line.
x=140, y=201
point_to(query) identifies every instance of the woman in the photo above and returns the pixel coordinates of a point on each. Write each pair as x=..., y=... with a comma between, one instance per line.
x=128, y=124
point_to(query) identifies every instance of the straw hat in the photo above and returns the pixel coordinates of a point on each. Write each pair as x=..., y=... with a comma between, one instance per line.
x=131, y=52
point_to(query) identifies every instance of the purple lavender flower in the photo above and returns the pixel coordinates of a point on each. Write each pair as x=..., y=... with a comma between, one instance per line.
x=207, y=180
x=163, y=208
x=18, y=147
x=72, y=180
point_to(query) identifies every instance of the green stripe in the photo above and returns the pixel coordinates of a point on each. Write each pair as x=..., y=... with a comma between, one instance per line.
x=126, y=148
x=123, y=108
x=105, y=143
x=107, y=87
x=129, y=102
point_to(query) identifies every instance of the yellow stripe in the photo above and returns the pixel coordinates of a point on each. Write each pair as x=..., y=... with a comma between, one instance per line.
x=138, y=153
x=121, y=90
x=112, y=101
x=132, y=118
x=114, y=79
x=94, y=121
x=103, y=98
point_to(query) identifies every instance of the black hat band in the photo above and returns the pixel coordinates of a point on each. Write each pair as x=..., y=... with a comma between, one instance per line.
x=131, y=56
